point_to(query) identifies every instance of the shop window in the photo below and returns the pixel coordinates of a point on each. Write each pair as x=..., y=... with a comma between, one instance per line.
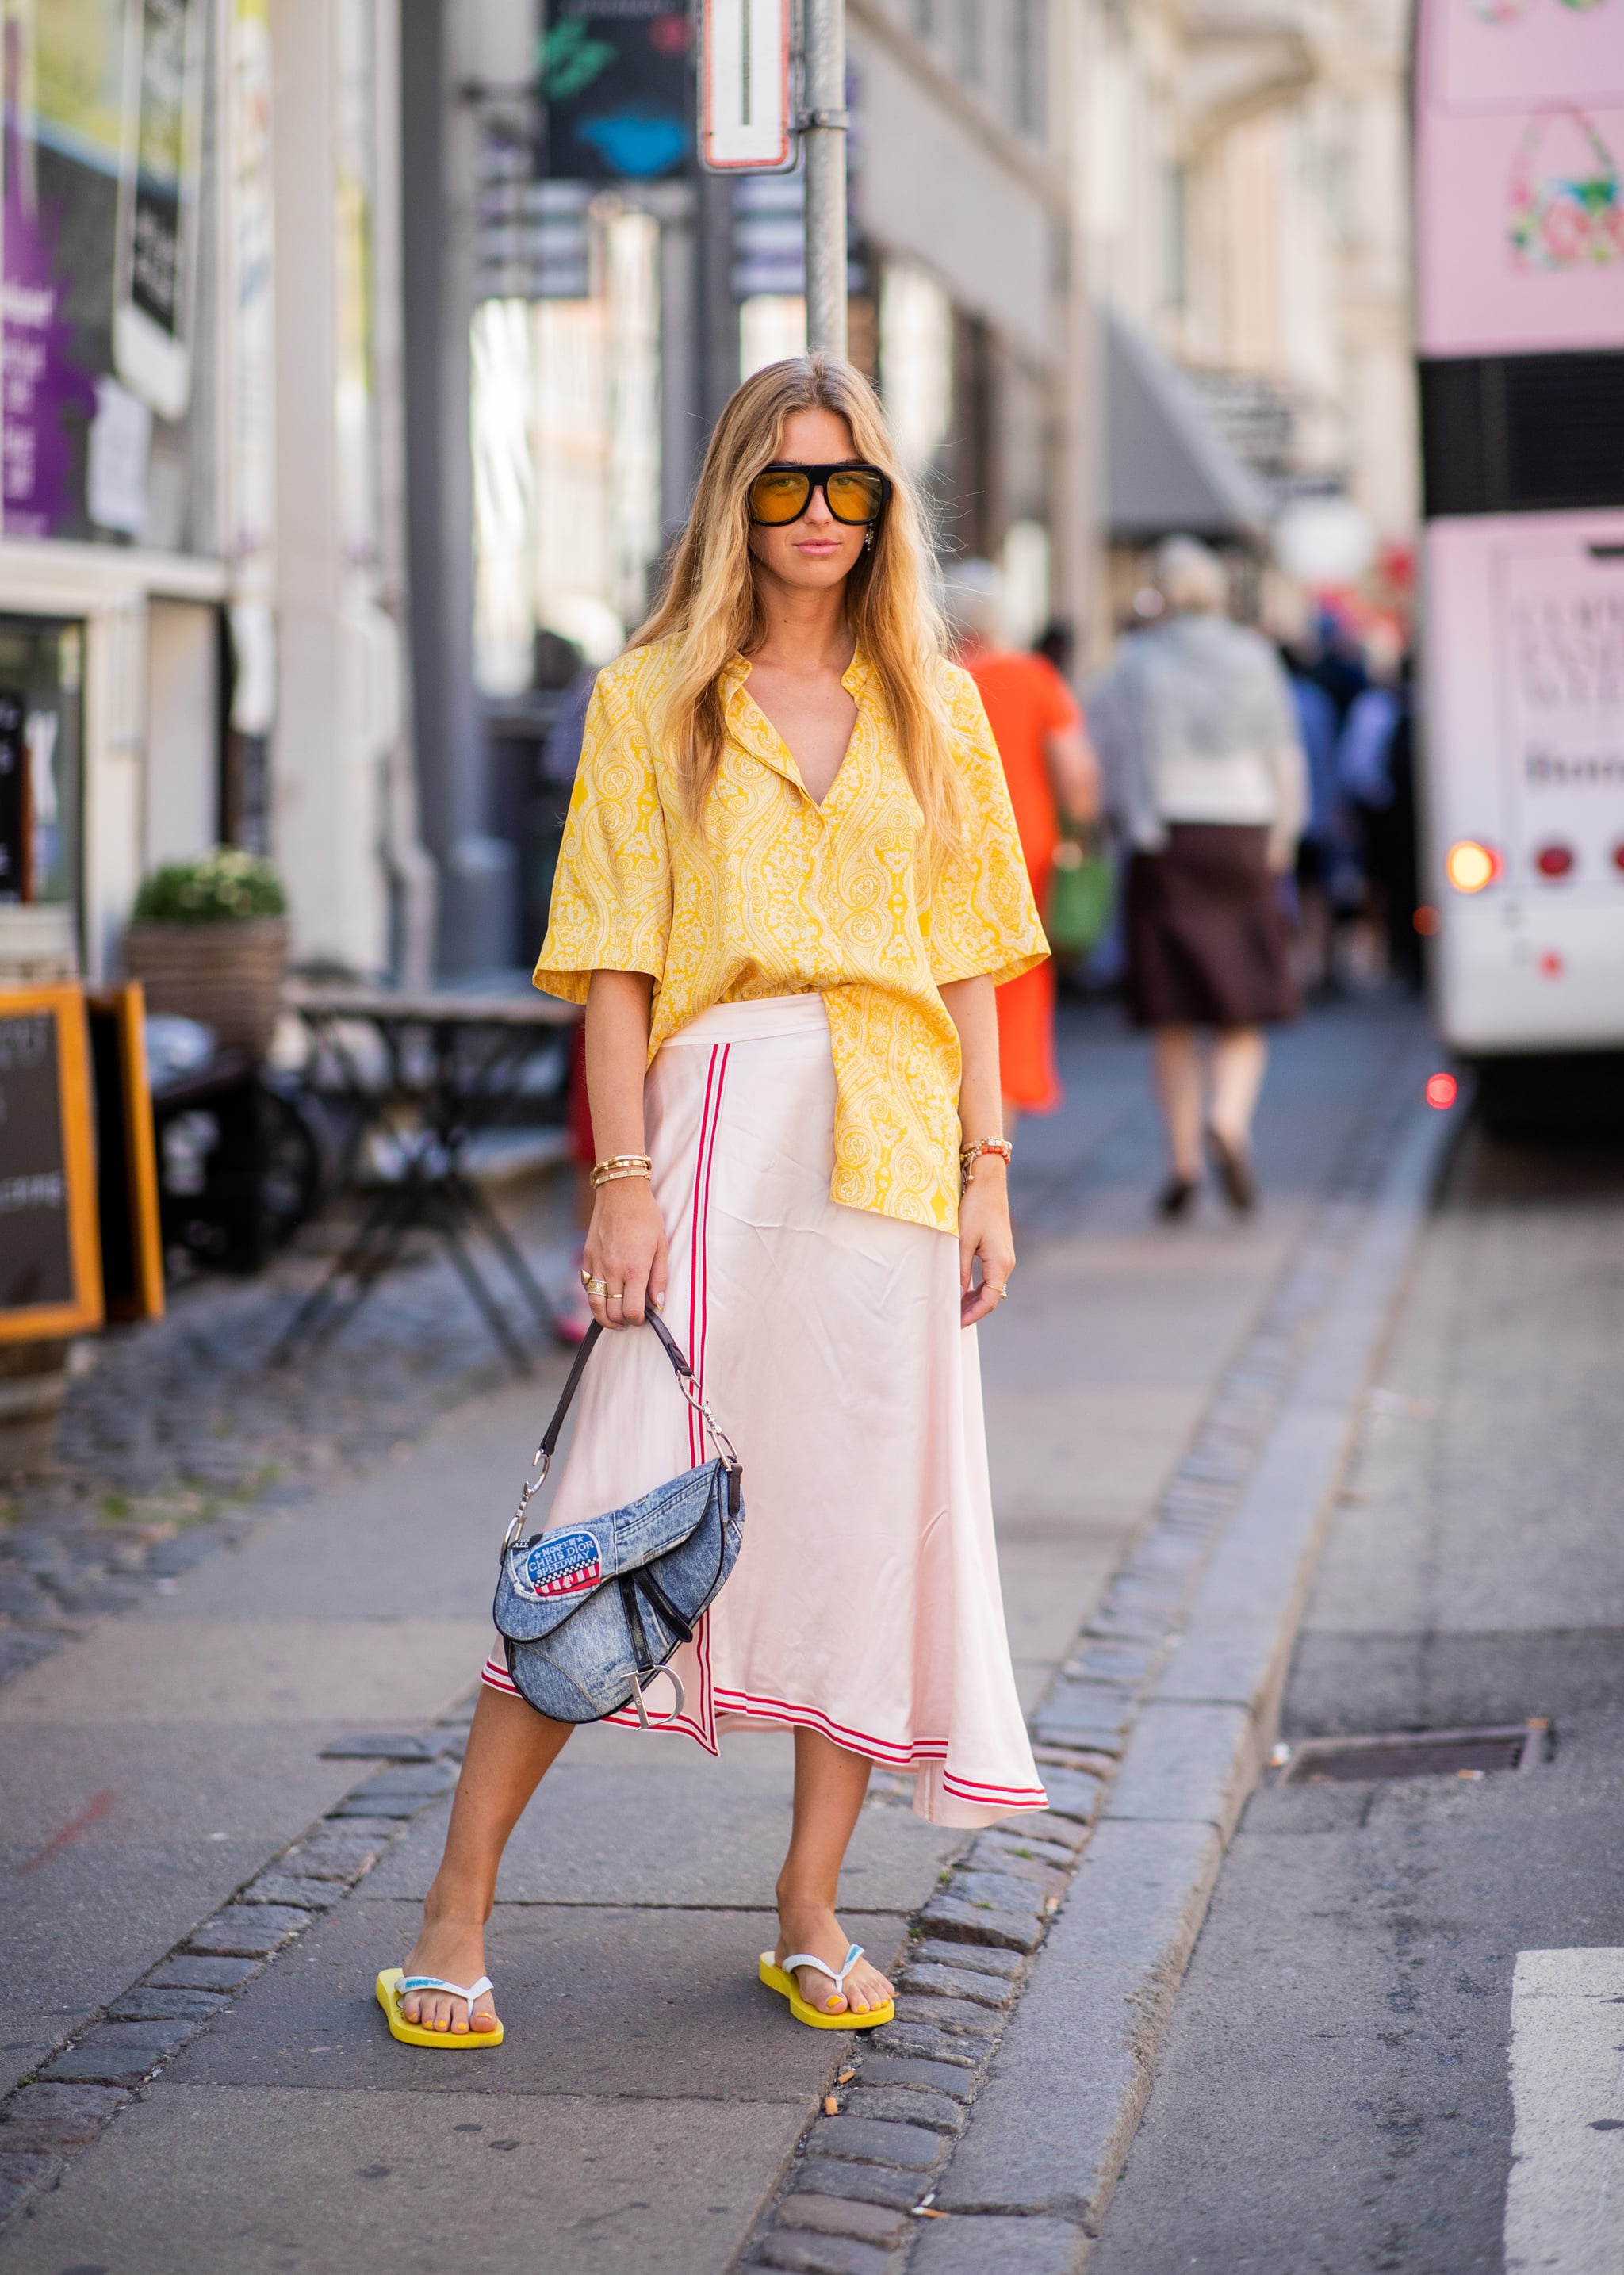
x=109, y=209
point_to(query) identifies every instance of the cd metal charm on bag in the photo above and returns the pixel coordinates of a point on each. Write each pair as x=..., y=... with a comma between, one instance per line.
x=591, y=1613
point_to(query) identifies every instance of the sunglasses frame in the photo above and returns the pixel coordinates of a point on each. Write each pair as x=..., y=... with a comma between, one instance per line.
x=817, y=478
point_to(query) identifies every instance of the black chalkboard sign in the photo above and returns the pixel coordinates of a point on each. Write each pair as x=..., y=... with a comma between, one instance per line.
x=126, y=1156
x=51, y=1270
x=14, y=832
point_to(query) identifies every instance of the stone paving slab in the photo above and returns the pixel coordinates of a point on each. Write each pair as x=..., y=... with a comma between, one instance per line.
x=80, y=1931
x=255, y=2182
x=149, y=1669
x=594, y=2001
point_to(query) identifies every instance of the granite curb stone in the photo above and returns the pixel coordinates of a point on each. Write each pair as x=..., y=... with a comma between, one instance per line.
x=956, y=1982
x=990, y=1960
x=903, y=2069
x=875, y=2141
x=1042, y=2136
x=146, y=2004
x=248, y=1931
x=22, y=2171
x=991, y=2246
x=822, y=2255
x=953, y=1919
x=840, y=2179
x=903, y=2105
x=188, y=1970
x=958, y=2017
x=918, y=2040
x=828, y=2215
x=284, y=1890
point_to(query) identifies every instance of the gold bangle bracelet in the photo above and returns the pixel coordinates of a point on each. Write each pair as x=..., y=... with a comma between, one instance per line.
x=624, y=1161
x=615, y=1176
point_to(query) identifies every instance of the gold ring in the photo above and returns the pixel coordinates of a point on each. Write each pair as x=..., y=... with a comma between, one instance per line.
x=594, y=1286
x=1001, y=1292
x=619, y=1296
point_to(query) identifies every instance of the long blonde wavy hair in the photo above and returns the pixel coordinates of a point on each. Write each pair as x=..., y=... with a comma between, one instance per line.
x=710, y=609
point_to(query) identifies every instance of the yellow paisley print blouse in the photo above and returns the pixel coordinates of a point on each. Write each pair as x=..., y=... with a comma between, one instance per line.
x=781, y=895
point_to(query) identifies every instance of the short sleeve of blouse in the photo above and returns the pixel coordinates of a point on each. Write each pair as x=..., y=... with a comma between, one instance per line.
x=983, y=919
x=611, y=907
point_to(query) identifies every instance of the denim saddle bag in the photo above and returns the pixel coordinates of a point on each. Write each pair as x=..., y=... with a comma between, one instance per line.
x=591, y=1613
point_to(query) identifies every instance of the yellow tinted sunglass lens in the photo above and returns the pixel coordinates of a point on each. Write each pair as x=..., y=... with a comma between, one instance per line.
x=854, y=496
x=778, y=497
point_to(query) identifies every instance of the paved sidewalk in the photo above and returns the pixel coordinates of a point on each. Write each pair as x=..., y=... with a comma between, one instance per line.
x=653, y=2094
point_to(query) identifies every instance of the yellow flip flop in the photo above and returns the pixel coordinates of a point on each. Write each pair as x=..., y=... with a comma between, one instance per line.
x=393, y=1984
x=782, y=1979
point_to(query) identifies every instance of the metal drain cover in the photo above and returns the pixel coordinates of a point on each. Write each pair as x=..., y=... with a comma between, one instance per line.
x=1415, y=1753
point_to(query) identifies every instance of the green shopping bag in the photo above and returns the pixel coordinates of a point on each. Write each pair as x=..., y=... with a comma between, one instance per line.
x=1081, y=894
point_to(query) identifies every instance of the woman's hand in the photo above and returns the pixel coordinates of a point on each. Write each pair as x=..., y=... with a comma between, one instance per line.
x=625, y=1246
x=983, y=1231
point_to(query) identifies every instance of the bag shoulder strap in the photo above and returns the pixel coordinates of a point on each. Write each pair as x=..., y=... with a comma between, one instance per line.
x=672, y=1352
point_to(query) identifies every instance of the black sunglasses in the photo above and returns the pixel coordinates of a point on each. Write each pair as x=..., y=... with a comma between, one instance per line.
x=854, y=495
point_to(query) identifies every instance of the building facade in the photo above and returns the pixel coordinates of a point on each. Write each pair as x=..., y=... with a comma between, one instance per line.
x=358, y=356
x=1246, y=210
x=201, y=529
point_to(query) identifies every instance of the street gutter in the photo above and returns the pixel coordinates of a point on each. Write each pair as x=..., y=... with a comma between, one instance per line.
x=1049, y=2129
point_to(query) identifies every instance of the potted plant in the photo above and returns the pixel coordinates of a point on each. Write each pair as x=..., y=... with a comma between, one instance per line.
x=208, y=940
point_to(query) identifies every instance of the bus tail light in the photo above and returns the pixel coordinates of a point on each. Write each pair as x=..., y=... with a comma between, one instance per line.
x=1554, y=860
x=1470, y=867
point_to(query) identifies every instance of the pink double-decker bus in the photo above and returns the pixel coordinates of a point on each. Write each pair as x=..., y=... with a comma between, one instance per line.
x=1519, y=152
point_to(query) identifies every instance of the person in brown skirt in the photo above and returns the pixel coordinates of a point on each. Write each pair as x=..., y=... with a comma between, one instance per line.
x=1206, y=780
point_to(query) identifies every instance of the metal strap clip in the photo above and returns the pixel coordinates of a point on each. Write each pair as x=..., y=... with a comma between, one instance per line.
x=637, y=1693
x=724, y=1444
x=528, y=1490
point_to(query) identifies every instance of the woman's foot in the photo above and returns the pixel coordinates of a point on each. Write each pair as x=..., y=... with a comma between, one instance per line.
x=815, y=1928
x=1233, y=1165
x=456, y=1950
x=1176, y=1199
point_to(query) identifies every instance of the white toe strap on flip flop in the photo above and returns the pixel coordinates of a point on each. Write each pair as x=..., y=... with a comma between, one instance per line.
x=836, y=1975
x=471, y=1992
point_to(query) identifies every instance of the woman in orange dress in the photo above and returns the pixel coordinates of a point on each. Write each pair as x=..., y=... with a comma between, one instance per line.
x=1051, y=772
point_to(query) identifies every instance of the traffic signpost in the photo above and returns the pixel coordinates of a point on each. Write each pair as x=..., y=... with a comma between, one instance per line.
x=749, y=72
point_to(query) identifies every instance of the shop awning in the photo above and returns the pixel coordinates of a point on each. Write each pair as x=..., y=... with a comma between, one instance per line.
x=1165, y=468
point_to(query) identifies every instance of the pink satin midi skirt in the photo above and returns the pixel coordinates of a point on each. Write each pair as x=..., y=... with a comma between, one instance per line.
x=865, y=1600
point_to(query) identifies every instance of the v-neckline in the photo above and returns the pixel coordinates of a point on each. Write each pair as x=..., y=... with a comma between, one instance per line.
x=854, y=671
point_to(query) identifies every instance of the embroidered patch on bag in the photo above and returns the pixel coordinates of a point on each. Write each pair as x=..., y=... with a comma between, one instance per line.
x=559, y=1564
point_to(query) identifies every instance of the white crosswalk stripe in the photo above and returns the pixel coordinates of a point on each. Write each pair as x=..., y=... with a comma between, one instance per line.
x=1565, y=2202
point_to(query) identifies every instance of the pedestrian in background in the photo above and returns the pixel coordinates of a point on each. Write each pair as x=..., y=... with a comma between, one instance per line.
x=1327, y=872
x=1052, y=777
x=1205, y=779
x=1377, y=769
x=789, y=883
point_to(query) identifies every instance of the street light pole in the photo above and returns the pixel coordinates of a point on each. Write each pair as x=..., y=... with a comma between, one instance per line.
x=824, y=123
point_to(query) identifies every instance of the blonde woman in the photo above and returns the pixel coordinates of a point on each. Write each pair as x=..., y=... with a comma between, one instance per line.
x=789, y=883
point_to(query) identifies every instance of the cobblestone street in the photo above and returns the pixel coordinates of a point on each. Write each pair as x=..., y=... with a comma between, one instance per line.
x=194, y=1787
x=177, y=1433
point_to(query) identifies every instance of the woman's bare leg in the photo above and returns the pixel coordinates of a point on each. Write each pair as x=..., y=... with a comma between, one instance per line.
x=1240, y=1059
x=510, y=1749
x=829, y=1787
x=1178, y=1093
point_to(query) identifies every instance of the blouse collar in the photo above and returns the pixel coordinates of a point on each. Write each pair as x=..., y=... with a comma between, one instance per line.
x=754, y=731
